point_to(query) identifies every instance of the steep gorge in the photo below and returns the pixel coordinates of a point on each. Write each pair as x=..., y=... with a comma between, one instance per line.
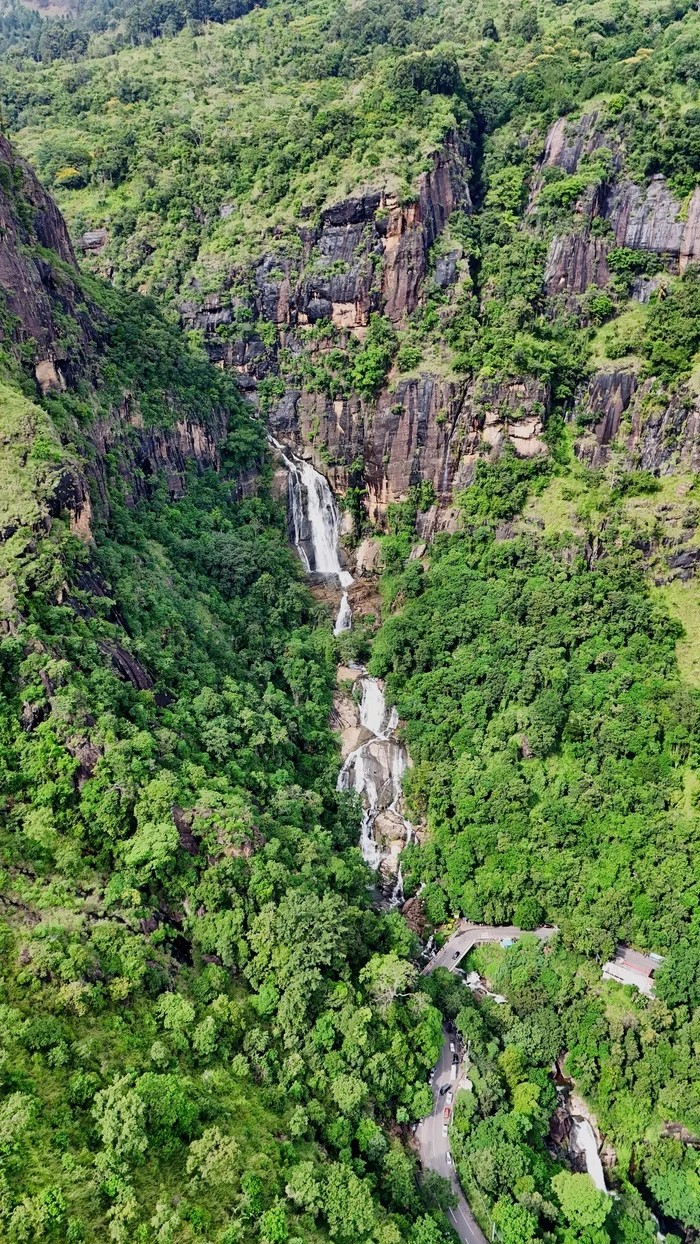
x=214, y=1028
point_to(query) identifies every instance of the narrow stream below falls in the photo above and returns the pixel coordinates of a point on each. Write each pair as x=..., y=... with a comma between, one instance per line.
x=376, y=766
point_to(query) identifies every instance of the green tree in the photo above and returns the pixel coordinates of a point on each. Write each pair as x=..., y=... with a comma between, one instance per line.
x=583, y=1205
x=516, y=1224
x=347, y=1203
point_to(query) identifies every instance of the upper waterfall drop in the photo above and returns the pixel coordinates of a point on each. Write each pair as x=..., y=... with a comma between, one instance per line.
x=315, y=527
x=316, y=524
x=325, y=522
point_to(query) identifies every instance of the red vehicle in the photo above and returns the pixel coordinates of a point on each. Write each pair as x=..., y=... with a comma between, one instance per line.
x=446, y=1114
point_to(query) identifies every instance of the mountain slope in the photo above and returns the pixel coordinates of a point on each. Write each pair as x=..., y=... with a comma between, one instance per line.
x=193, y=986
x=449, y=254
x=493, y=200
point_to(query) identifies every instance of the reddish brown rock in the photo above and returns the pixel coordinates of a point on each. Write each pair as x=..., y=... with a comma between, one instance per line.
x=427, y=429
x=413, y=914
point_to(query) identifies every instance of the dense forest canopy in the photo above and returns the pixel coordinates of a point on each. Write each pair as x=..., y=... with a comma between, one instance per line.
x=210, y=1029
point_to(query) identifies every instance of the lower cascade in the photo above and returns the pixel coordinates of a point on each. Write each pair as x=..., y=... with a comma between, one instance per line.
x=374, y=769
x=343, y=621
x=583, y=1141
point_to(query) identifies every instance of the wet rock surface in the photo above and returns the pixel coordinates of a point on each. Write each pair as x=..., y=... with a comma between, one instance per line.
x=374, y=762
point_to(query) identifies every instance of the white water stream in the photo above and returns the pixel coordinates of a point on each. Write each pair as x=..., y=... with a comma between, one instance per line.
x=583, y=1140
x=343, y=621
x=315, y=521
x=374, y=769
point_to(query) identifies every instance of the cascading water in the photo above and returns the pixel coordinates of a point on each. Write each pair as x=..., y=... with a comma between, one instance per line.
x=374, y=770
x=343, y=621
x=583, y=1140
x=376, y=767
x=315, y=526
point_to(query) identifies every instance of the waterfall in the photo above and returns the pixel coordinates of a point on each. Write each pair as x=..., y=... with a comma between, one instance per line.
x=372, y=706
x=325, y=523
x=315, y=526
x=374, y=770
x=583, y=1140
x=397, y=892
x=343, y=621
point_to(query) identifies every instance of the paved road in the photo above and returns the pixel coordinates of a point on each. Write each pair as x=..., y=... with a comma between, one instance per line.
x=469, y=935
x=434, y=1148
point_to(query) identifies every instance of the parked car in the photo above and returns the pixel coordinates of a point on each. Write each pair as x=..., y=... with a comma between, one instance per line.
x=445, y=1089
x=448, y=1158
x=453, y=1072
x=444, y=1129
x=449, y=1095
x=452, y=1047
x=446, y=1114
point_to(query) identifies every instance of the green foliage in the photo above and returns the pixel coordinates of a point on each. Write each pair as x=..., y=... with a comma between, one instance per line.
x=373, y=361
x=205, y=1026
x=584, y=1206
x=501, y=688
x=671, y=335
x=191, y=969
x=499, y=489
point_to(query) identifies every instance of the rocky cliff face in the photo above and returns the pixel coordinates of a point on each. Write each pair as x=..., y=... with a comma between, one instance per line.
x=647, y=429
x=650, y=431
x=46, y=315
x=371, y=253
x=646, y=218
x=35, y=295
x=426, y=428
x=368, y=253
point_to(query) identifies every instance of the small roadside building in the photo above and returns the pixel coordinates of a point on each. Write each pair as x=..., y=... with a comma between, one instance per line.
x=630, y=967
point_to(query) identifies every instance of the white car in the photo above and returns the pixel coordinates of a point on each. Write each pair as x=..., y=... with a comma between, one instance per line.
x=449, y=1097
x=452, y=1047
x=444, y=1129
x=448, y=1158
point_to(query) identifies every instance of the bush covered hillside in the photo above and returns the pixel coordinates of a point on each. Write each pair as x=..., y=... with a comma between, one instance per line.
x=450, y=253
x=199, y=1008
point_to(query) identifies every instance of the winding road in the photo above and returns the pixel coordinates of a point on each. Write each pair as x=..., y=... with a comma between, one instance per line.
x=434, y=1147
x=469, y=935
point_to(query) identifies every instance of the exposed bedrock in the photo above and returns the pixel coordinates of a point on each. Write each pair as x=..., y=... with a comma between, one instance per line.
x=38, y=298
x=653, y=433
x=427, y=429
x=36, y=295
x=647, y=218
x=368, y=253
